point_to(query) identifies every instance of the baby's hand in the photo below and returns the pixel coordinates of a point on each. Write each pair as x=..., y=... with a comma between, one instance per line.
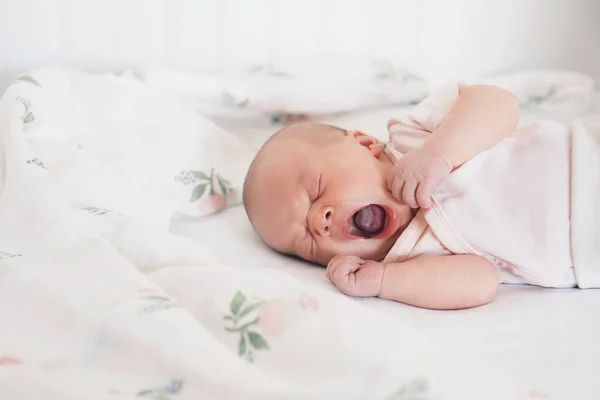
x=416, y=175
x=355, y=276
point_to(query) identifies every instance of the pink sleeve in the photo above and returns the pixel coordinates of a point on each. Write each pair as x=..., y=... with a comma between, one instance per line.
x=414, y=126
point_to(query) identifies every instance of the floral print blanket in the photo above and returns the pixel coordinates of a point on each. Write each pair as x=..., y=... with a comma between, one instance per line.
x=99, y=301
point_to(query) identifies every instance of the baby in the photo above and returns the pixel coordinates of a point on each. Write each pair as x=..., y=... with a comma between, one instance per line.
x=457, y=202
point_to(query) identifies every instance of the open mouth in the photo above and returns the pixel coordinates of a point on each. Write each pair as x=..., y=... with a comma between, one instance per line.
x=368, y=222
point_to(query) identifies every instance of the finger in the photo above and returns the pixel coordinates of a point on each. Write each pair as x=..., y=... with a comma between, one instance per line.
x=409, y=194
x=349, y=258
x=424, y=192
x=358, y=260
x=352, y=265
x=331, y=267
x=396, y=188
x=389, y=181
x=343, y=279
x=341, y=259
x=337, y=275
x=392, y=122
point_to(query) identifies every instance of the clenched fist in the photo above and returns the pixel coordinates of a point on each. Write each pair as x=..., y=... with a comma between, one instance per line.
x=355, y=276
x=415, y=177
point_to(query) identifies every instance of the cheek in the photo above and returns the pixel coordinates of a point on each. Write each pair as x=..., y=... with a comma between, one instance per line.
x=348, y=193
x=367, y=249
x=365, y=183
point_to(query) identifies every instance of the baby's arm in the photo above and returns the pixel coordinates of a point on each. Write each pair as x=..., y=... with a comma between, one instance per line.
x=443, y=283
x=480, y=118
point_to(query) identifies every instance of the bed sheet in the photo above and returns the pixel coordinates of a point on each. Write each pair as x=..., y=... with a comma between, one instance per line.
x=549, y=337
x=99, y=301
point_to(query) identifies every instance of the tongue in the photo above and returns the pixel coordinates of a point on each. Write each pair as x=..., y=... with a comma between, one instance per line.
x=370, y=218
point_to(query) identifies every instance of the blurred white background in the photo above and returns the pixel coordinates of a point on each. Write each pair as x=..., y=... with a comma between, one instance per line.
x=434, y=38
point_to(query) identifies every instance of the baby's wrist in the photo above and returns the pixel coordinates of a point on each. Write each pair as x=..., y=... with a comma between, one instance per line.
x=441, y=154
x=381, y=279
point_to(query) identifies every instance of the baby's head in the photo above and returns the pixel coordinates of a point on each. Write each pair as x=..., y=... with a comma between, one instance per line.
x=316, y=191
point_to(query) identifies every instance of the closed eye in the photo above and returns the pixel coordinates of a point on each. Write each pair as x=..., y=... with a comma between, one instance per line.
x=319, y=187
x=313, y=242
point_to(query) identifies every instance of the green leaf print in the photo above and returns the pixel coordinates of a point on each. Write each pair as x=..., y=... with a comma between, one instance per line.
x=247, y=310
x=242, y=346
x=157, y=297
x=5, y=254
x=237, y=302
x=199, y=175
x=172, y=388
x=157, y=302
x=29, y=78
x=243, y=327
x=257, y=341
x=95, y=210
x=29, y=117
x=236, y=323
x=414, y=390
x=26, y=103
x=198, y=191
x=224, y=189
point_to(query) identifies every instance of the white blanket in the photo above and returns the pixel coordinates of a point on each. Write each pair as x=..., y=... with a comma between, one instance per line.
x=585, y=214
x=99, y=301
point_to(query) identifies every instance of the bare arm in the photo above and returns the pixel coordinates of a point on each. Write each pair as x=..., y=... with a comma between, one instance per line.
x=443, y=283
x=481, y=117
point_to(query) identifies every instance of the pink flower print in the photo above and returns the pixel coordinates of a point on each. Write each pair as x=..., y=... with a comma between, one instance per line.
x=212, y=203
x=307, y=302
x=211, y=191
x=271, y=318
x=294, y=118
x=7, y=360
x=257, y=105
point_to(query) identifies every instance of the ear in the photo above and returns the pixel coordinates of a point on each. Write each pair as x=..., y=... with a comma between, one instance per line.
x=374, y=145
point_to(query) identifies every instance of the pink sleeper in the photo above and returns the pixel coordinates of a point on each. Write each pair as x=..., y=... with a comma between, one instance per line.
x=510, y=204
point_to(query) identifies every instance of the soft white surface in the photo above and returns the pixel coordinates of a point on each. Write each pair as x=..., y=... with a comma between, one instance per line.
x=99, y=301
x=117, y=131
x=547, y=337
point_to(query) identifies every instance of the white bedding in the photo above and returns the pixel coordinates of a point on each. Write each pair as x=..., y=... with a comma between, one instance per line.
x=547, y=337
x=99, y=301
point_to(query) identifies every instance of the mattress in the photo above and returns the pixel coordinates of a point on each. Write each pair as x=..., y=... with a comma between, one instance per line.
x=548, y=337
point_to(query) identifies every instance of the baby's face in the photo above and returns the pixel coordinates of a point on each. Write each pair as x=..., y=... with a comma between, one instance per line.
x=317, y=200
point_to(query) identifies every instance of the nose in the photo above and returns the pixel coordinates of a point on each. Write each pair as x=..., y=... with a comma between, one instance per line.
x=321, y=221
